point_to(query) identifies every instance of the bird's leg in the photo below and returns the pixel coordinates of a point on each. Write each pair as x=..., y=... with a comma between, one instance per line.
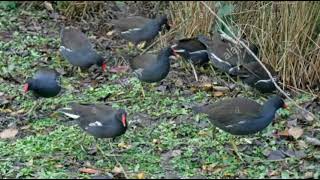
x=142, y=90
x=34, y=107
x=235, y=148
x=194, y=70
x=80, y=72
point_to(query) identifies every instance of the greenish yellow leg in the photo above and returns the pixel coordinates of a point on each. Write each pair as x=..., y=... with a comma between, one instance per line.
x=235, y=148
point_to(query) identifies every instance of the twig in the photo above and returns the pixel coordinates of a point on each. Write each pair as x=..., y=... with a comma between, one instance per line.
x=124, y=172
x=257, y=59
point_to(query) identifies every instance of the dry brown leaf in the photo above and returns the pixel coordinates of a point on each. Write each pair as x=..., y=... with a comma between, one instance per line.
x=295, y=132
x=218, y=94
x=48, y=6
x=88, y=170
x=283, y=133
x=8, y=133
x=221, y=88
x=110, y=33
x=25, y=127
x=116, y=170
x=124, y=145
x=141, y=176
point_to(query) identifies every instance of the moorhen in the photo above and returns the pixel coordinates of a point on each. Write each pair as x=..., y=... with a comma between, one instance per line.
x=77, y=49
x=224, y=54
x=98, y=120
x=255, y=76
x=45, y=83
x=241, y=116
x=191, y=49
x=152, y=68
x=137, y=29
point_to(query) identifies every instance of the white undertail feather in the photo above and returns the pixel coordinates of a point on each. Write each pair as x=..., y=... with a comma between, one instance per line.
x=97, y=123
x=64, y=48
x=73, y=116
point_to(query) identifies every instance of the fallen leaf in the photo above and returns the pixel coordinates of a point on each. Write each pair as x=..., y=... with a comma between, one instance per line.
x=119, y=69
x=58, y=166
x=48, y=6
x=88, y=170
x=313, y=141
x=218, y=94
x=276, y=155
x=25, y=127
x=283, y=133
x=220, y=88
x=116, y=170
x=295, y=132
x=110, y=33
x=8, y=133
x=124, y=145
x=176, y=153
x=141, y=176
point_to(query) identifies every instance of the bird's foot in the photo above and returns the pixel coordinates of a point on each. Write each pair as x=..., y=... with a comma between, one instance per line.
x=235, y=149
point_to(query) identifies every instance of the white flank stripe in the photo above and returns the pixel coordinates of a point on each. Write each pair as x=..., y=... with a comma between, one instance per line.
x=242, y=122
x=229, y=126
x=130, y=30
x=265, y=81
x=97, y=123
x=175, y=45
x=220, y=60
x=73, y=116
x=198, y=52
x=180, y=50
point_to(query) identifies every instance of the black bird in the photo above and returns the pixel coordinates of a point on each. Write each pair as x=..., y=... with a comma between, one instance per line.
x=137, y=29
x=241, y=116
x=77, y=49
x=255, y=76
x=191, y=49
x=150, y=67
x=45, y=83
x=226, y=55
x=98, y=120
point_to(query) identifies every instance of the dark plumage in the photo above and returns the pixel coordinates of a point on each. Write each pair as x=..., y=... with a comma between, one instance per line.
x=241, y=116
x=137, y=29
x=98, y=120
x=255, y=76
x=152, y=68
x=191, y=49
x=77, y=49
x=224, y=54
x=45, y=83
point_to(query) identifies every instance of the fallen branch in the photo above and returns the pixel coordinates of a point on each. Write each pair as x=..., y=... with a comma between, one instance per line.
x=257, y=59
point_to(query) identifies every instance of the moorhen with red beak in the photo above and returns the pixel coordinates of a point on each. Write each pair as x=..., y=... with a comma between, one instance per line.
x=45, y=83
x=242, y=116
x=137, y=29
x=98, y=120
x=77, y=49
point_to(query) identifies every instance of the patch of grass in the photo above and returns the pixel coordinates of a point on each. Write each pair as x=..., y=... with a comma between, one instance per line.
x=53, y=149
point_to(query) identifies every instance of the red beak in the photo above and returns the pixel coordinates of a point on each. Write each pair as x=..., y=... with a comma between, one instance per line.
x=104, y=67
x=124, y=120
x=26, y=87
